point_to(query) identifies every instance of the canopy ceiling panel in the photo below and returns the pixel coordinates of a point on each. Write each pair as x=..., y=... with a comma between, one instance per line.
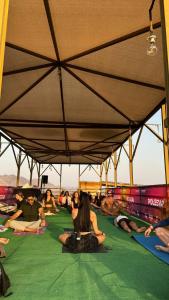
x=28, y=27
x=73, y=160
x=127, y=59
x=95, y=135
x=30, y=144
x=15, y=60
x=53, y=145
x=14, y=85
x=42, y=102
x=92, y=23
x=34, y=133
x=77, y=78
x=78, y=145
x=128, y=98
x=99, y=110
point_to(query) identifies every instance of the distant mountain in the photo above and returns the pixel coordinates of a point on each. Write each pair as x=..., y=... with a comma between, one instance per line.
x=10, y=180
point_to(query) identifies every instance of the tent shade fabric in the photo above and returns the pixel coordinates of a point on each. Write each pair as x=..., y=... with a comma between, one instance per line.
x=77, y=78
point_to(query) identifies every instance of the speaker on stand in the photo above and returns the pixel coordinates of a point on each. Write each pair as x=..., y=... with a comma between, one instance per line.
x=44, y=180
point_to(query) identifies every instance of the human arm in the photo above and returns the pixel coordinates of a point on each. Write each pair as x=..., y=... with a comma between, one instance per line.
x=53, y=201
x=14, y=216
x=162, y=223
x=93, y=219
x=43, y=203
x=148, y=231
x=94, y=205
x=42, y=216
x=72, y=204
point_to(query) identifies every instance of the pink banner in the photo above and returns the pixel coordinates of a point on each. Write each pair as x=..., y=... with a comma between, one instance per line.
x=155, y=191
x=7, y=194
x=148, y=203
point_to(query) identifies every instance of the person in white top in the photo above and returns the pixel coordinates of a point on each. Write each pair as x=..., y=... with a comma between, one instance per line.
x=126, y=224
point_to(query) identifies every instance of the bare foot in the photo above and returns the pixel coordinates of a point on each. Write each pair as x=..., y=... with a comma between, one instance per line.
x=4, y=241
x=162, y=248
x=141, y=229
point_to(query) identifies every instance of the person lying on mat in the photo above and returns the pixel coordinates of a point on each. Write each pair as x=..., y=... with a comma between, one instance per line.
x=83, y=239
x=31, y=211
x=126, y=224
x=161, y=232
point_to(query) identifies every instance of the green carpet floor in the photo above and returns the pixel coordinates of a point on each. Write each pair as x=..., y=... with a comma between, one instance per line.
x=39, y=270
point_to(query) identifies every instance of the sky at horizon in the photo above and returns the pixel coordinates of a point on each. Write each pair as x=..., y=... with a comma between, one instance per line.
x=148, y=166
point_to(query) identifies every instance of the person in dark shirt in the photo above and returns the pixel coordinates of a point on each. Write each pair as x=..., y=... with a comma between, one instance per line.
x=161, y=232
x=75, y=200
x=33, y=216
x=19, y=199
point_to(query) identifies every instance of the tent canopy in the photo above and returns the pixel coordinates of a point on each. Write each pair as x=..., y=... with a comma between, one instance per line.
x=77, y=78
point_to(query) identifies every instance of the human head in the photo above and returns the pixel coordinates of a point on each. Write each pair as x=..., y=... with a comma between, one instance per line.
x=31, y=199
x=19, y=196
x=84, y=200
x=109, y=193
x=75, y=195
x=48, y=192
x=66, y=193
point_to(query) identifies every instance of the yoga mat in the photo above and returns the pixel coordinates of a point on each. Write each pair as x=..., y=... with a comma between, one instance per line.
x=149, y=243
x=100, y=249
x=20, y=233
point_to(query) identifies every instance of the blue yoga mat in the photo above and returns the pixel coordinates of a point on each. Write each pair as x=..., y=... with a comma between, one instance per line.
x=149, y=243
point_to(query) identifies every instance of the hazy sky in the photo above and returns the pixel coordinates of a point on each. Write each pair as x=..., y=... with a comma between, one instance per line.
x=148, y=163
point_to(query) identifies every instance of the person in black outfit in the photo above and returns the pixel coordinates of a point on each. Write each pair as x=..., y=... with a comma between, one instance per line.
x=75, y=200
x=83, y=239
x=31, y=211
x=19, y=199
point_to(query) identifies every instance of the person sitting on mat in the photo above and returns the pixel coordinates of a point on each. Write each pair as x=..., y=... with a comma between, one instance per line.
x=31, y=211
x=75, y=200
x=126, y=224
x=48, y=203
x=110, y=206
x=19, y=199
x=161, y=232
x=83, y=239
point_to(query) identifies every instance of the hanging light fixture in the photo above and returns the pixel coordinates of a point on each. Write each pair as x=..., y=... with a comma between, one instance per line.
x=152, y=47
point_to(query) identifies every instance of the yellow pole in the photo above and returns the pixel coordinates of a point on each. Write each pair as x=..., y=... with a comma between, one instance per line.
x=79, y=179
x=164, y=9
x=4, y=5
x=106, y=173
x=18, y=167
x=165, y=146
x=131, y=159
x=101, y=171
x=115, y=168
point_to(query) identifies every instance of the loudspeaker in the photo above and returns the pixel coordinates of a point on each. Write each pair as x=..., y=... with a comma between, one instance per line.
x=44, y=179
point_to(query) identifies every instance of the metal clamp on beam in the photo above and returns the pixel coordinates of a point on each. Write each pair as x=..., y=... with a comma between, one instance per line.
x=166, y=123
